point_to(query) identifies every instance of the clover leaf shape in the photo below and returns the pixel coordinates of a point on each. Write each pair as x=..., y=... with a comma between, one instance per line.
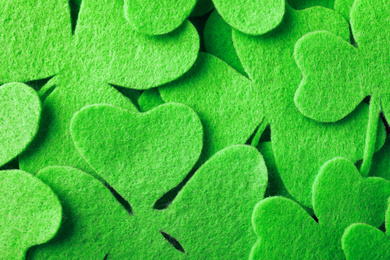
x=104, y=51
x=347, y=74
x=362, y=241
x=253, y=17
x=269, y=62
x=340, y=197
x=229, y=184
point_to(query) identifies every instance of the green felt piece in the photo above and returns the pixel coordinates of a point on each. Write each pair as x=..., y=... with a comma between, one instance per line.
x=211, y=216
x=226, y=102
x=218, y=41
x=157, y=17
x=254, y=17
x=362, y=241
x=110, y=49
x=301, y=145
x=381, y=162
x=340, y=197
x=344, y=7
x=347, y=74
x=302, y=4
x=30, y=213
x=34, y=37
x=202, y=7
x=96, y=225
x=53, y=145
x=165, y=141
x=105, y=50
x=20, y=113
x=150, y=99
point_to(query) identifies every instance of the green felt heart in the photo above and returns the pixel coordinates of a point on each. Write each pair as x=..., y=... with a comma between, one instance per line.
x=218, y=41
x=229, y=184
x=340, y=197
x=20, y=112
x=362, y=241
x=157, y=17
x=133, y=147
x=105, y=50
x=347, y=74
x=229, y=107
x=254, y=17
x=34, y=36
x=30, y=213
x=270, y=64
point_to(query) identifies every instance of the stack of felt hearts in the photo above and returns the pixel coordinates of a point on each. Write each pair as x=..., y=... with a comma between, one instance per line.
x=194, y=129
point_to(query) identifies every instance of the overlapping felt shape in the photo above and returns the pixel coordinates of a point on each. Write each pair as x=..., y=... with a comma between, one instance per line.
x=381, y=162
x=95, y=224
x=131, y=148
x=344, y=7
x=269, y=62
x=218, y=41
x=150, y=99
x=347, y=74
x=302, y=4
x=211, y=216
x=362, y=241
x=157, y=17
x=202, y=7
x=20, y=113
x=30, y=213
x=34, y=36
x=340, y=197
x=254, y=17
x=105, y=50
x=229, y=107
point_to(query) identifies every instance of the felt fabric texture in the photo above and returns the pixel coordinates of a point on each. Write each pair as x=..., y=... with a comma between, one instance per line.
x=150, y=99
x=30, y=213
x=381, y=162
x=20, y=113
x=362, y=241
x=302, y=4
x=93, y=217
x=34, y=39
x=227, y=104
x=270, y=64
x=105, y=50
x=202, y=7
x=53, y=145
x=218, y=41
x=347, y=74
x=338, y=183
x=133, y=147
x=157, y=17
x=254, y=17
x=344, y=7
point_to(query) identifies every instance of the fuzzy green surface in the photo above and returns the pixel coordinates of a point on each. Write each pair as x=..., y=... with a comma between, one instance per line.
x=362, y=241
x=20, y=113
x=157, y=17
x=150, y=99
x=202, y=7
x=336, y=75
x=96, y=225
x=165, y=141
x=302, y=4
x=226, y=102
x=270, y=64
x=105, y=50
x=254, y=17
x=53, y=145
x=218, y=41
x=30, y=213
x=338, y=183
x=34, y=36
x=381, y=162
x=344, y=7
